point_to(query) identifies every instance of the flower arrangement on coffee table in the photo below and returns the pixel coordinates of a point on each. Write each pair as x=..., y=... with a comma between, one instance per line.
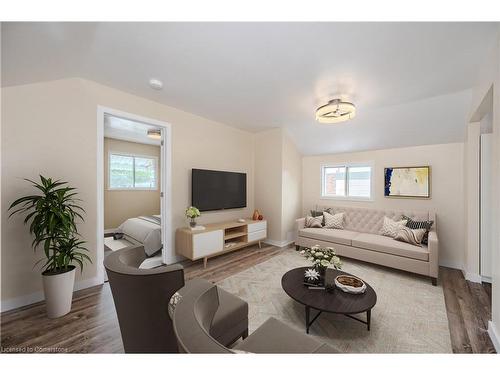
x=321, y=258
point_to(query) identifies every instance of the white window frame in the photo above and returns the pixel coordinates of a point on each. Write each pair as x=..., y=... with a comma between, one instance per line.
x=155, y=158
x=346, y=188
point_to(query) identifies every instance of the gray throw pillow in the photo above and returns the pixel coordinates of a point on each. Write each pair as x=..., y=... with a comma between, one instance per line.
x=314, y=222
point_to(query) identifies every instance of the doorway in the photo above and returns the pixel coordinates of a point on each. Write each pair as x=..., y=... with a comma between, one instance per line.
x=133, y=186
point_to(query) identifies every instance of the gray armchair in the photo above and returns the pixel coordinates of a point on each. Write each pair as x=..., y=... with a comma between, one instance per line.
x=197, y=310
x=141, y=299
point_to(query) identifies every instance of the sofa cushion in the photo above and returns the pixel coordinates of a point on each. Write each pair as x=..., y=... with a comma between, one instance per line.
x=276, y=337
x=232, y=311
x=339, y=236
x=390, y=246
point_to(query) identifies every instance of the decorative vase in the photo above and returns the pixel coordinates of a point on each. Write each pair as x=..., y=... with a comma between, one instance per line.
x=322, y=271
x=58, y=290
x=256, y=215
x=192, y=222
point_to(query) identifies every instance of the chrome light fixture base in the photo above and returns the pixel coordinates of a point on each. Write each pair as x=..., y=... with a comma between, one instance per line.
x=335, y=111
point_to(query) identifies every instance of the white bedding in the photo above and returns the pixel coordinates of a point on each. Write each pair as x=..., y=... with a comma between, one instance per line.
x=145, y=231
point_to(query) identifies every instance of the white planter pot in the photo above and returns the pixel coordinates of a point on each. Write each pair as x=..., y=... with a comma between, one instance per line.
x=58, y=291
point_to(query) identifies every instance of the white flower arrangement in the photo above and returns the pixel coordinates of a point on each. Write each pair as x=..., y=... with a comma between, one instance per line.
x=311, y=274
x=192, y=212
x=322, y=257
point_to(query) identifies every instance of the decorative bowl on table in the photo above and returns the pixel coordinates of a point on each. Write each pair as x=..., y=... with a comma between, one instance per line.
x=350, y=284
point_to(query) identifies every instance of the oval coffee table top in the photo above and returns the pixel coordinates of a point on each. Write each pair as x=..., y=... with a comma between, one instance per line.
x=336, y=301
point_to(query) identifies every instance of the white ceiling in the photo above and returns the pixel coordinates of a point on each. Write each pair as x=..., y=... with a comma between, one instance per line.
x=410, y=81
x=128, y=130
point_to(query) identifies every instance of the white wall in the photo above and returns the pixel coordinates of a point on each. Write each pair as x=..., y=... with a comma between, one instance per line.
x=50, y=128
x=291, y=188
x=446, y=161
x=471, y=193
x=268, y=180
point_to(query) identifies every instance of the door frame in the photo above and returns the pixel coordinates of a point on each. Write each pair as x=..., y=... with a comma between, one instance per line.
x=165, y=183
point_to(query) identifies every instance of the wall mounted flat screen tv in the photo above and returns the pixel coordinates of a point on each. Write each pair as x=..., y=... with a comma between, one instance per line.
x=218, y=190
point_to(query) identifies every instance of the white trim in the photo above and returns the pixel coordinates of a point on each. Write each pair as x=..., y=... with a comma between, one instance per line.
x=486, y=279
x=29, y=299
x=166, y=177
x=277, y=243
x=134, y=156
x=451, y=264
x=494, y=336
x=474, y=277
x=370, y=164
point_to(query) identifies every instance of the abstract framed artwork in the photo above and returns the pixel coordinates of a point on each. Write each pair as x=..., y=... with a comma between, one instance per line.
x=407, y=182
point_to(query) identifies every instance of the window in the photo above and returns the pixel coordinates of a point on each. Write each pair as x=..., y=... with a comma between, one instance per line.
x=347, y=181
x=132, y=172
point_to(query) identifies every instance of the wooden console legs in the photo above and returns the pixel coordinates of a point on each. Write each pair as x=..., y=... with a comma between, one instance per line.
x=205, y=262
x=434, y=281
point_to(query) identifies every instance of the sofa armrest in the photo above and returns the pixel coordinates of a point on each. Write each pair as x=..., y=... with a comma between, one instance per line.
x=299, y=224
x=433, y=247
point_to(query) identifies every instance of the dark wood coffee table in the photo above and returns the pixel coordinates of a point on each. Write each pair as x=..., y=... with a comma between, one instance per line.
x=337, y=301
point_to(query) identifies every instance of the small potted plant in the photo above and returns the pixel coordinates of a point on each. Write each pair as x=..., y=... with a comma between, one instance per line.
x=322, y=258
x=53, y=215
x=192, y=213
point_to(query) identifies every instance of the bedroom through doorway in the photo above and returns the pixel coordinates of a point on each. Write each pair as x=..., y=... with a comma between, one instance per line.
x=134, y=208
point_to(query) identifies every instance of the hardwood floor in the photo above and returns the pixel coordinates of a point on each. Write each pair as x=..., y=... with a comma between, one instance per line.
x=92, y=326
x=468, y=306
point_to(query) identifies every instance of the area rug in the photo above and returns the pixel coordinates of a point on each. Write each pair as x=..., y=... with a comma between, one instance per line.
x=409, y=317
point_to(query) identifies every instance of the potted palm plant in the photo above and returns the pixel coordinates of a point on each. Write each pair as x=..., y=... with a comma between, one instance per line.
x=52, y=216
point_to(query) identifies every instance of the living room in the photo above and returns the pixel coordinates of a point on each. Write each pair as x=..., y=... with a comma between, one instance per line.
x=312, y=200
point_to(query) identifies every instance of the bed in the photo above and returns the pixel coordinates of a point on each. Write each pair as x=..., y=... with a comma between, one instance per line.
x=142, y=230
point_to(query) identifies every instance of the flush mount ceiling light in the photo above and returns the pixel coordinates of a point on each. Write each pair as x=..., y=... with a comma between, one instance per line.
x=154, y=134
x=335, y=111
x=156, y=84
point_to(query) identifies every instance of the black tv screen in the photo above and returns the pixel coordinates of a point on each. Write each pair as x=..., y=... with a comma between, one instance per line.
x=218, y=190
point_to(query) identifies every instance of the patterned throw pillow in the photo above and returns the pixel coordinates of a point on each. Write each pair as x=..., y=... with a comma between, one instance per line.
x=315, y=213
x=391, y=227
x=314, y=222
x=424, y=224
x=333, y=221
x=411, y=236
x=174, y=300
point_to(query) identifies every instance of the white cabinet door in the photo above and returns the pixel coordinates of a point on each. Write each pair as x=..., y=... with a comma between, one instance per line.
x=208, y=243
x=254, y=227
x=255, y=236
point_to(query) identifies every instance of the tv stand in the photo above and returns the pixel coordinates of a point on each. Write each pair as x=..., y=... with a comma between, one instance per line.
x=219, y=238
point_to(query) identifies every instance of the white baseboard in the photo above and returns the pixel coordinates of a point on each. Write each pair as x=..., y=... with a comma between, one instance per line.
x=451, y=264
x=486, y=279
x=278, y=243
x=474, y=277
x=494, y=335
x=28, y=299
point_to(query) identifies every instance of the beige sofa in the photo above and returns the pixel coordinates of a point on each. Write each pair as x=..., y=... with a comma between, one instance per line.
x=360, y=239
